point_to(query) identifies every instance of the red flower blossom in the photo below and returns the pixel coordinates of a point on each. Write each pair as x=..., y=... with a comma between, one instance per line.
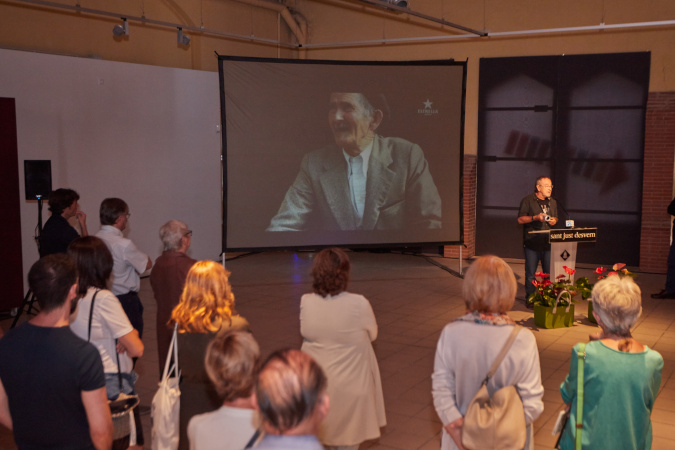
x=569, y=271
x=612, y=273
x=541, y=275
x=600, y=270
x=560, y=276
x=535, y=283
x=546, y=283
x=618, y=266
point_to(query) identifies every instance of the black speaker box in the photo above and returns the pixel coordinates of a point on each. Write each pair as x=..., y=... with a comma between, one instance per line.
x=38, y=178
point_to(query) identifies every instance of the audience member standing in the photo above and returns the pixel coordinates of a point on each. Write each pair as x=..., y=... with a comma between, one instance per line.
x=57, y=233
x=470, y=344
x=52, y=388
x=206, y=308
x=291, y=397
x=232, y=363
x=621, y=375
x=100, y=319
x=168, y=279
x=128, y=261
x=338, y=328
x=669, y=290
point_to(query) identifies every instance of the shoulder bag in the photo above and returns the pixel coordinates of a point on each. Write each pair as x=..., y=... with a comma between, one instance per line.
x=166, y=402
x=496, y=422
x=564, y=415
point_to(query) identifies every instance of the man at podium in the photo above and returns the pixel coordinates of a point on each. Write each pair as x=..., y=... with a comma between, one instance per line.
x=538, y=211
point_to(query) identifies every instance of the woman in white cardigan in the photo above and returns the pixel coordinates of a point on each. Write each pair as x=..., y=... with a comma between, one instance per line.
x=469, y=345
x=338, y=327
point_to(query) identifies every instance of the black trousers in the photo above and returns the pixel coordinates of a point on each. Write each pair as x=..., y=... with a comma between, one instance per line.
x=133, y=308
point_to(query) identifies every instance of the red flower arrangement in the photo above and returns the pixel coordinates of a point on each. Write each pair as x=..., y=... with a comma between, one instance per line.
x=547, y=292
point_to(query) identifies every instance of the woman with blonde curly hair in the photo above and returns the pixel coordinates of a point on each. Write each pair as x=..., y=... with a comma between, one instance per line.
x=206, y=308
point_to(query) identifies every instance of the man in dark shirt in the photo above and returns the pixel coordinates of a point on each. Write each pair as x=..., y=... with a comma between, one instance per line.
x=52, y=386
x=669, y=291
x=538, y=211
x=57, y=233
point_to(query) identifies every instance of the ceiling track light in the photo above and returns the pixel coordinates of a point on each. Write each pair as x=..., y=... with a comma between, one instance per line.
x=121, y=30
x=399, y=3
x=183, y=39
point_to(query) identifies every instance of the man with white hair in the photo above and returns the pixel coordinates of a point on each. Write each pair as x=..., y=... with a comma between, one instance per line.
x=168, y=278
x=362, y=181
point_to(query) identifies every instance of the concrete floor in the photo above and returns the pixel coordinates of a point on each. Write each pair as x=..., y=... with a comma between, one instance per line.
x=413, y=299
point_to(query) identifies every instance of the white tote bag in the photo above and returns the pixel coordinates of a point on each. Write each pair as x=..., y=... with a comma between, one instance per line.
x=166, y=402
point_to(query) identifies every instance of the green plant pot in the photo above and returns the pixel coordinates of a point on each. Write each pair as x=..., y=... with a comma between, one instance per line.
x=545, y=318
x=591, y=318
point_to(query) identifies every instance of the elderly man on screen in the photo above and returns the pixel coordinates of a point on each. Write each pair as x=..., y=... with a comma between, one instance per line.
x=362, y=182
x=168, y=278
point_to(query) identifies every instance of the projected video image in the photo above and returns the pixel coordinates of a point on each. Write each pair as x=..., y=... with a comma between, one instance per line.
x=344, y=154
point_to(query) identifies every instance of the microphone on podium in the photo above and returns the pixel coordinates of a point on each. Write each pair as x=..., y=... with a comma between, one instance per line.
x=569, y=223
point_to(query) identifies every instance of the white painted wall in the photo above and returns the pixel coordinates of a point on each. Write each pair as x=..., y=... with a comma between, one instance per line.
x=149, y=135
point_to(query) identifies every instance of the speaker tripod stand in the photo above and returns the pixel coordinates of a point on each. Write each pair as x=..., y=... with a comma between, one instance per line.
x=29, y=299
x=28, y=302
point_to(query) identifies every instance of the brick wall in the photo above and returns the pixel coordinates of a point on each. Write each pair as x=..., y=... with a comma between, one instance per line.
x=469, y=199
x=657, y=189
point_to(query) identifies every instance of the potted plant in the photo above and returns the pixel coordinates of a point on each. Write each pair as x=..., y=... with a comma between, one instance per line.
x=554, y=300
x=617, y=269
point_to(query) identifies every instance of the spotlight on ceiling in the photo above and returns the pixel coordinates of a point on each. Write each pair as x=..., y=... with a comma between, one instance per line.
x=183, y=39
x=121, y=30
x=399, y=3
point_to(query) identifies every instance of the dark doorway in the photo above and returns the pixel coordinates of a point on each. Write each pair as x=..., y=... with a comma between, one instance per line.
x=577, y=119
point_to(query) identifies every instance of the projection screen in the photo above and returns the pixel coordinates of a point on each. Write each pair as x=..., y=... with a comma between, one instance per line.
x=345, y=153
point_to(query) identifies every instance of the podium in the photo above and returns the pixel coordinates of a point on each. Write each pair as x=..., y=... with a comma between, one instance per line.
x=564, y=247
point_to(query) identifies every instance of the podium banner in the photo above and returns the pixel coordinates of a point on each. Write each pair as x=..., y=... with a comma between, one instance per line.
x=573, y=235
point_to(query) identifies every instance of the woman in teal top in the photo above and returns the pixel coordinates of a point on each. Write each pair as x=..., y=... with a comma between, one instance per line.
x=621, y=376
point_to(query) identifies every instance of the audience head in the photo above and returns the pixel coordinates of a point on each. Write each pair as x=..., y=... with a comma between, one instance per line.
x=489, y=285
x=174, y=235
x=330, y=272
x=53, y=281
x=617, y=301
x=61, y=199
x=232, y=362
x=111, y=209
x=291, y=393
x=94, y=262
x=207, y=299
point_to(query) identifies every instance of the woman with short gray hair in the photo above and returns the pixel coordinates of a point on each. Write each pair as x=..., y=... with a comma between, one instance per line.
x=470, y=344
x=621, y=375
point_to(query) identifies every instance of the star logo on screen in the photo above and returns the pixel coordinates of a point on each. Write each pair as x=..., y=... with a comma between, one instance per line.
x=427, y=110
